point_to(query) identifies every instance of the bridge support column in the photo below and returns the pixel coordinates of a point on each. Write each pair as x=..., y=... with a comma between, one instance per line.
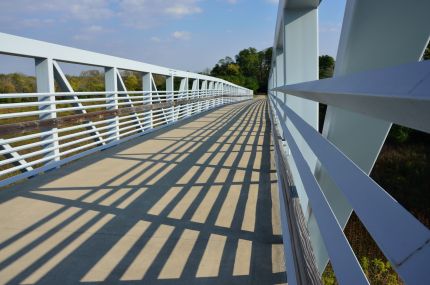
x=203, y=94
x=196, y=94
x=111, y=84
x=170, y=88
x=211, y=93
x=45, y=84
x=183, y=94
x=147, y=88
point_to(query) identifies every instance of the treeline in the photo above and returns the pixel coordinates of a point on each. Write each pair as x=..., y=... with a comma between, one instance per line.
x=17, y=83
x=86, y=81
x=250, y=68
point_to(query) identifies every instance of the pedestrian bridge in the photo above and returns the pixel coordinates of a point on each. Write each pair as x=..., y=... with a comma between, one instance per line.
x=195, y=202
x=196, y=181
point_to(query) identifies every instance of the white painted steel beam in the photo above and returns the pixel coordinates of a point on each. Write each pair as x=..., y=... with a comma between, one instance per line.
x=157, y=95
x=170, y=88
x=147, y=87
x=399, y=235
x=109, y=131
x=45, y=83
x=20, y=46
x=195, y=94
x=375, y=34
x=343, y=259
x=13, y=154
x=65, y=86
x=296, y=60
x=122, y=87
x=183, y=89
x=111, y=84
x=398, y=94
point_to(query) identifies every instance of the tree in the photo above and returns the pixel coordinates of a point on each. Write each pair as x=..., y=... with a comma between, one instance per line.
x=132, y=82
x=326, y=66
x=249, y=62
x=249, y=69
x=265, y=62
x=427, y=53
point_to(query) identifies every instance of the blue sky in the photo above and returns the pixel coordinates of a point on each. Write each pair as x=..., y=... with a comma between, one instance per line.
x=183, y=34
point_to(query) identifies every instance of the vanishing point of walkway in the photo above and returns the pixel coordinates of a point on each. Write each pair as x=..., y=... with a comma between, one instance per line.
x=194, y=203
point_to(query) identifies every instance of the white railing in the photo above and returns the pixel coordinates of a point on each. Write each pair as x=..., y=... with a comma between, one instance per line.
x=378, y=81
x=41, y=131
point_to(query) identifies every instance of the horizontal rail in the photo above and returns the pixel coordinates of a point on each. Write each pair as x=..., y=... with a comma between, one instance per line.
x=25, y=127
x=373, y=87
x=397, y=94
x=15, y=45
x=344, y=261
x=296, y=235
x=372, y=204
x=45, y=129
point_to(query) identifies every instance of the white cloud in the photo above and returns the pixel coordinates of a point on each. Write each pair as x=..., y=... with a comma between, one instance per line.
x=232, y=1
x=90, y=9
x=95, y=28
x=143, y=14
x=90, y=33
x=182, y=35
x=183, y=10
x=77, y=9
x=155, y=39
x=137, y=14
x=330, y=28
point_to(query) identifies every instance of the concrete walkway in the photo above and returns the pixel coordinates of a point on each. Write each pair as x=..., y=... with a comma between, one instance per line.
x=195, y=203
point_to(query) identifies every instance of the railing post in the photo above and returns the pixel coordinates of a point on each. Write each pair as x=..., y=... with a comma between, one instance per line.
x=183, y=89
x=147, y=88
x=45, y=84
x=211, y=93
x=111, y=84
x=203, y=90
x=196, y=93
x=218, y=93
x=301, y=53
x=280, y=74
x=170, y=88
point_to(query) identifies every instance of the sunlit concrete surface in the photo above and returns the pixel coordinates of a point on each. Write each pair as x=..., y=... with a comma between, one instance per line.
x=195, y=203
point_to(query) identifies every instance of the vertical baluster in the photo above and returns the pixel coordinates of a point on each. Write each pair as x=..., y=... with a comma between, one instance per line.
x=45, y=84
x=147, y=89
x=111, y=84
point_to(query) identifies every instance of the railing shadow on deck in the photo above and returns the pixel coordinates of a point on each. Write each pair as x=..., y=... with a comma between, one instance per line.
x=197, y=209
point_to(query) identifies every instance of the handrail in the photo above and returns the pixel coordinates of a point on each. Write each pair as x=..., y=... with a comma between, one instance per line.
x=373, y=86
x=49, y=128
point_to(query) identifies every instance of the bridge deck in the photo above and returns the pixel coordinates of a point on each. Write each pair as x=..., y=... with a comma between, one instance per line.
x=194, y=203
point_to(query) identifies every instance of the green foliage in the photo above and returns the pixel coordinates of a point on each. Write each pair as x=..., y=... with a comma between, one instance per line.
x=16, y=83
x=326, y=66
x=403, y=171
x=249, y=69
x=326, y=70
x=132, y=81
x=89, y=80
x=248, y=61
x=328, y=277
x=398, y=134
x=427, y=53
x=378, y=271
x=160, y=81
